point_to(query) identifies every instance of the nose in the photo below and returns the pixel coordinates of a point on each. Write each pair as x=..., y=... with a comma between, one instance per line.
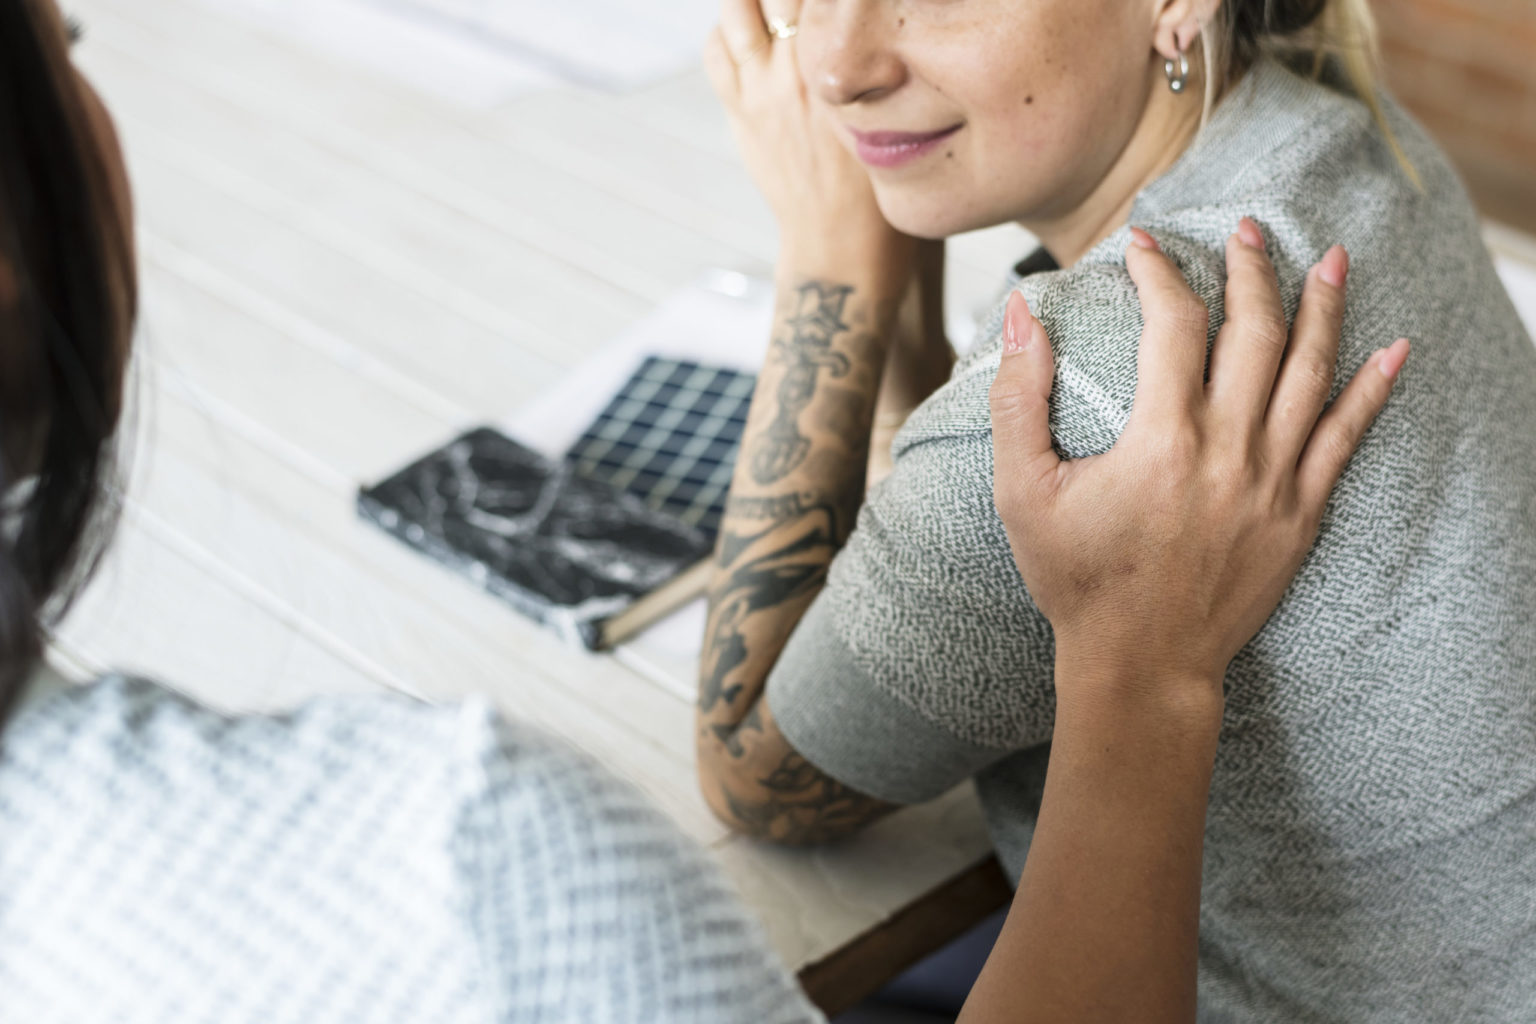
x=854, y=62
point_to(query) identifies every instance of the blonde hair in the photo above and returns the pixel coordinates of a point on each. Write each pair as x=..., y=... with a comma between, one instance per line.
x=1306, y=34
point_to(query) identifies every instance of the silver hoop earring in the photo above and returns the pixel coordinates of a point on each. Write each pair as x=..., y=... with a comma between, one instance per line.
x=1176, y=81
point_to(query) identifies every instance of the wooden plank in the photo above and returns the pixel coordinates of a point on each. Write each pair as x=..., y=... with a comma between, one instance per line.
x=154, y=610
x=299, y=93
x=311, y=407
x=407, y=329
x=859, y=969
x=282, y=381
x=480, y=274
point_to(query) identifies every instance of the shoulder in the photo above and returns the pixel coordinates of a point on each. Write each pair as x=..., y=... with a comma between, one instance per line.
x=1092, y=316
x=1314, y=168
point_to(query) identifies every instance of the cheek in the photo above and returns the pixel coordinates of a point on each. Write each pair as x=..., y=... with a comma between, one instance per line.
x=1018, y=143
x=1040, y=132
x=1049, y=90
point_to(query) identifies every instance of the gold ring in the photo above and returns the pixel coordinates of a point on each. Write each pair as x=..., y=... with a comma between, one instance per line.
x=782, y=29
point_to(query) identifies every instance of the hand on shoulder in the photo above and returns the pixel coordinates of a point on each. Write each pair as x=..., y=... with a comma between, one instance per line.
x=1162, y=557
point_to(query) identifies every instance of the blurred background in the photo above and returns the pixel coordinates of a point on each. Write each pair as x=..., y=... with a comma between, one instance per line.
x=1467, y=68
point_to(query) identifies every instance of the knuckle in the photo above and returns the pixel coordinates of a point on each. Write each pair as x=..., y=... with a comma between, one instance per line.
x=1009, y=399
x=1246, y=260
x=1339, y=444
x=1332, y=301
x=1174, y=453
x=1184, y=311
x=1266, y=330
x=1316, y=377
x=1229, y=475
x=1324, y=296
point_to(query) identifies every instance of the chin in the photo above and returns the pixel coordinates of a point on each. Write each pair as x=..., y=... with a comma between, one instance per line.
x=926, y=213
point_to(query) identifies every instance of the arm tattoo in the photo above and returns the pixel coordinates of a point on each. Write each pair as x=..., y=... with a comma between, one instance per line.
x=794, y=565
x=815, y=324
x=774, y=550
x=783, y=506
x=732, y=736
x=805, y=806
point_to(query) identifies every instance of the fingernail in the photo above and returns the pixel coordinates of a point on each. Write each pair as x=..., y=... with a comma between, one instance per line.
x=1334, y=266
x=1393, y=358
x=1249, y=232
x=1146, y=241
x=1017, y=332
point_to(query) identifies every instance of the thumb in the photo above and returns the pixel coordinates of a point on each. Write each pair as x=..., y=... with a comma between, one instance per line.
x=1024, y=464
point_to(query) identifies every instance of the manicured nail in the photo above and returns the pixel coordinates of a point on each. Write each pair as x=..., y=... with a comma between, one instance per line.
x=1250, y=234
x=1393, y=357
x=1334, y=266
x=1146, y=241
x=1018, y=331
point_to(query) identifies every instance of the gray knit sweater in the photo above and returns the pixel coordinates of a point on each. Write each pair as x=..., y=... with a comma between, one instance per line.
x=1371, y=843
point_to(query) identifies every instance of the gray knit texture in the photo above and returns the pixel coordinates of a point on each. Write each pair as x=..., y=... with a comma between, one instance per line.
x=361, y=860
x=1371, y=845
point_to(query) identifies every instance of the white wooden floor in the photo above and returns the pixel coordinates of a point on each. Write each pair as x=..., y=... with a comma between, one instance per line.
x=340, y=272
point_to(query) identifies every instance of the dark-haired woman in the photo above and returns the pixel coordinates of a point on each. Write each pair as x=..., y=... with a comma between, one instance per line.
x=1370, y=852
x=379, y=860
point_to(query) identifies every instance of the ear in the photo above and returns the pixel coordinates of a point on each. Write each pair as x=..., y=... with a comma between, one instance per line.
x=1178, y=23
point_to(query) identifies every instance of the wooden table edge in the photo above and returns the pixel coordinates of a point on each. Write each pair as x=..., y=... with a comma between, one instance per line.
x=858, y=969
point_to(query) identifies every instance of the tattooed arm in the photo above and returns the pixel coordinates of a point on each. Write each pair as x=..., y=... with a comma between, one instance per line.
x=798, y=485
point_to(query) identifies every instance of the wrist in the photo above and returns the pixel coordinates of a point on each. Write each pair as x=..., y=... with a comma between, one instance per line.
x=1093, y=681
x=883, y=267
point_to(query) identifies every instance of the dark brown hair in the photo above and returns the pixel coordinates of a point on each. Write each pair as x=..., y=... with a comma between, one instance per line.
x=67, y=307
x=1254, y=21
x=1315, y=36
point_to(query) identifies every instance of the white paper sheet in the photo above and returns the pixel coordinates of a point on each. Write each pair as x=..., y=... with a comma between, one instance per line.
x=722, y=319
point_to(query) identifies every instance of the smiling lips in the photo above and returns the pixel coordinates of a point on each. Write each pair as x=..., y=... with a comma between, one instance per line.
x=893, y=149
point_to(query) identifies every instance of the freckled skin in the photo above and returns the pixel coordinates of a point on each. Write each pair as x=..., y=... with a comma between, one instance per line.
x=969, y=61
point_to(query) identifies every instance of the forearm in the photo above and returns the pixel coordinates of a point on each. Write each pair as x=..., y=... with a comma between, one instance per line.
x=920, y=361
x=1105, y=923
x=798, y=485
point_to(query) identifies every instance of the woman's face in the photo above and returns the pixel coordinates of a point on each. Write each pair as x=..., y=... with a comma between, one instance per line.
x=970, y=113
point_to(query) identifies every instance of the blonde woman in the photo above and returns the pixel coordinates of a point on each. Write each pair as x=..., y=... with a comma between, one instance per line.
x=1369, y=849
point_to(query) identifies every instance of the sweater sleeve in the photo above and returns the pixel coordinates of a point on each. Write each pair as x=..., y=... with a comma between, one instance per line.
x=924, y=659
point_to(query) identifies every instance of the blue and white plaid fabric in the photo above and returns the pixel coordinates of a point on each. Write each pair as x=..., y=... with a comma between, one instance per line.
x=362, y=859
